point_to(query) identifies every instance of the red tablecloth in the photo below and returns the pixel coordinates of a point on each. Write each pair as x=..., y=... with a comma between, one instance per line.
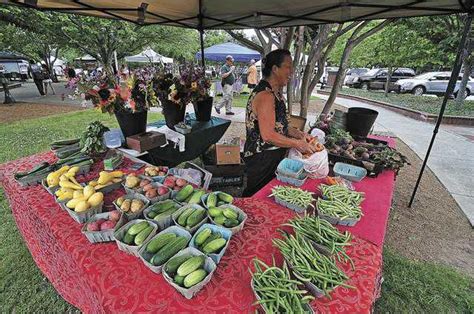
x=376, y=206
x=100, y=278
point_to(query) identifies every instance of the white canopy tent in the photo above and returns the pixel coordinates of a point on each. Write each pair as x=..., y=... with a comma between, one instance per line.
x=148, y=56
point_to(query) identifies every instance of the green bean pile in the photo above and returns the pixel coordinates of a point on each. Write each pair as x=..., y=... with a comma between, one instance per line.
x=309, y=265
x=336, y=208
x=341, y=193
x=294, y=196
x=277, y=291
x=323, y=233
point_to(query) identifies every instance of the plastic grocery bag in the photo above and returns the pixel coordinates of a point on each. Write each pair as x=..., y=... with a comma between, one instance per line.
x=316, y=165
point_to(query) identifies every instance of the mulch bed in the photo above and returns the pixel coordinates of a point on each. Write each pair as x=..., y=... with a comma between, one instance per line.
x=23, y=111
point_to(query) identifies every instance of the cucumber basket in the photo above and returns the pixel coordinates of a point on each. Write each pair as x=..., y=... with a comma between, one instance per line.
x=163, y=246
x=132, y=235
x=228, y=216
x=190, y=217
x=189, y=271
x=161, y=213
x=212, y=240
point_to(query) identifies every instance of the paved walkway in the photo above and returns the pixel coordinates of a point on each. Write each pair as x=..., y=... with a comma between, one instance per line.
x=452, y=155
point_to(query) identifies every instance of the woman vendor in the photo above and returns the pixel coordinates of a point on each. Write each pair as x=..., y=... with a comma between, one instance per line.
x=268, y=133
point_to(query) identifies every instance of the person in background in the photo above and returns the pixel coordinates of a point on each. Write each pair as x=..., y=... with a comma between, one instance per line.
x=37, y=75
x=268, y=134
x=71, y=73
x=228, y=80
x=252, y=79
x=47, y=80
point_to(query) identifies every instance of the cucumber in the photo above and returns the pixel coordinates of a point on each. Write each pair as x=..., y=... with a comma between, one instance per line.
x=128, y=239
x=137, y=228
x=151, y=214
x=211, y=200
x=227, y=198
x=194, y=278
x=179, y=280
x=141, y=237
x=215, y=211
x=196, y=197
x=174, y=263
x=196, y=217
x=230, y=213
x=219, y=220
x=212, y=237
x=214, y=246
x=184, y=216
x=160, y=241
x=230, y=223
x=165, y=214
x=202, y=236
x=191, y=265
x=184, y=193
x=170, y=249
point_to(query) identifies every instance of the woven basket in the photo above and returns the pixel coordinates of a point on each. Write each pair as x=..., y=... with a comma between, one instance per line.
x=104, y=235
x=132, y=249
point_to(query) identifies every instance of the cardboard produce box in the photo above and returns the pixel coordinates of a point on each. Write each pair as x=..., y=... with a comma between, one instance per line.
x=228, y=153
x=297, y=122
x=146, y=141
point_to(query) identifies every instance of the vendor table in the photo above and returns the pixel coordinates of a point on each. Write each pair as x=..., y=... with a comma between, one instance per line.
x=99, y=278
x=203, y=135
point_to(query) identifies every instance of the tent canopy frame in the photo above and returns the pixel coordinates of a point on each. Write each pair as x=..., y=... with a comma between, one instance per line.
x=238, y=22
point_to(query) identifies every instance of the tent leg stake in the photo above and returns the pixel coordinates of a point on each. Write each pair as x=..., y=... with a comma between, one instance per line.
x=449, y=92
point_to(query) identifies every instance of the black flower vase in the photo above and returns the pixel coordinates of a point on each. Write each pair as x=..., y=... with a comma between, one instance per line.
x=203, y=109
x=174, y=113
x=131, y=123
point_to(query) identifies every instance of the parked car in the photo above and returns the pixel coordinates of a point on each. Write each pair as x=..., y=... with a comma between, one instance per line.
x=434, y=83
x=353, y=75
x=376, y=78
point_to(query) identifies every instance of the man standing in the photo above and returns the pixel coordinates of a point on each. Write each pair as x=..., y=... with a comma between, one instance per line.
x=37, y=74
x=228, y=79
x=252, y=79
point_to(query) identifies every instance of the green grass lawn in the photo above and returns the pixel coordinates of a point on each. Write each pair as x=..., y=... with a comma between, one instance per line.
x=238, y=100
x=409, y=286
x=421, y=103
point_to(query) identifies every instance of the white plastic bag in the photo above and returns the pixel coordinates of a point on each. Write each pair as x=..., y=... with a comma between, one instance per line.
x=317, y=165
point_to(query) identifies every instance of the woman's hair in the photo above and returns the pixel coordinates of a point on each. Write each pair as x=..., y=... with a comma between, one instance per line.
x=276, y=57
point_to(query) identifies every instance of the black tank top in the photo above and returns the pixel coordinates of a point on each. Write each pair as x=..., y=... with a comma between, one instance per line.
x=254, y=143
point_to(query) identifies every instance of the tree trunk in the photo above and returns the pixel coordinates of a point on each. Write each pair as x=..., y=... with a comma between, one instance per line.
x=387, y=82
x=341, y=73
x=314, y=55
x=294, y=82
x=467, y=66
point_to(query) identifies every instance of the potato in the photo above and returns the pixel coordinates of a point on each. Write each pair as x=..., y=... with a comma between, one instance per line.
x=144, y=182
x=126, y=205
x=120, y=200
x=151, y=193
x=137, y=205
x=131, y=182
x=147, y=187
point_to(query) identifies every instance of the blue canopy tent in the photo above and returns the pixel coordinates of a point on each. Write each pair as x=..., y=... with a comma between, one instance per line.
x=220, y=51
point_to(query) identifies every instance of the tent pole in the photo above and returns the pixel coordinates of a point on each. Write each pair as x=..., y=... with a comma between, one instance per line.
x=201, y=35
x=449, y=92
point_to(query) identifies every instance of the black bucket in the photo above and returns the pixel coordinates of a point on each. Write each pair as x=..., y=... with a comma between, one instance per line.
x=131, y=123
x=360, y=121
